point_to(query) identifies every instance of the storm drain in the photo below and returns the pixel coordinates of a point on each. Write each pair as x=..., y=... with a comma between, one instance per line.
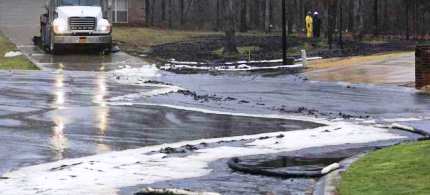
x=285, y=166
x=165, y=191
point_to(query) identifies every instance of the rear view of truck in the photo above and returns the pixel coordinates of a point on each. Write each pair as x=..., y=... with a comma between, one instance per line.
x=75, y=23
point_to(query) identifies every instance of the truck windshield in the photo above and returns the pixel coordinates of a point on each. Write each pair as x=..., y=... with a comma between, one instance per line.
x=80, y=3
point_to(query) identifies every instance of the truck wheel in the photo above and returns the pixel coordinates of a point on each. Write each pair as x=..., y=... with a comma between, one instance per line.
x=107, y=50
x=53, y=48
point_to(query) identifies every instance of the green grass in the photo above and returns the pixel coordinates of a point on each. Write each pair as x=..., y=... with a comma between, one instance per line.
x=403, y=169
x=19, y=62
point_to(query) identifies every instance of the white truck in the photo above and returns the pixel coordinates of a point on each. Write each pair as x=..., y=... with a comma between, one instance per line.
x=75, y=22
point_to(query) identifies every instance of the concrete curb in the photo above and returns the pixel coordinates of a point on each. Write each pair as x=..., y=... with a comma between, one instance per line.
x=327, y=185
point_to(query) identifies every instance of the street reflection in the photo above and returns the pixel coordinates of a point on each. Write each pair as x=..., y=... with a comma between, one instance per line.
x=101, y=112
x=58, y=139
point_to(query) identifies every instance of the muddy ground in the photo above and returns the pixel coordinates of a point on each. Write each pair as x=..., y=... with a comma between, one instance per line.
x=207, y=49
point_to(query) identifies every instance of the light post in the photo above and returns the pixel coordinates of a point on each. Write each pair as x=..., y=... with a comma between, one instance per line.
x=284, y=33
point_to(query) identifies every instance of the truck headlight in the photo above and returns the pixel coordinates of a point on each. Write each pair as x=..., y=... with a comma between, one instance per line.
x=105, y=26
x=59, y=27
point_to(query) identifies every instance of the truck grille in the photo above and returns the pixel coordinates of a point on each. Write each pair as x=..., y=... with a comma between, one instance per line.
x=82, y=23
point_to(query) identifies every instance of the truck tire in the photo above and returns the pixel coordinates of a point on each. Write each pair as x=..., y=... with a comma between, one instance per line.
x=107, y=49
x=54, y=49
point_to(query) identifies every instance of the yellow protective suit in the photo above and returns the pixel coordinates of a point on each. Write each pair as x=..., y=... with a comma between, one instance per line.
x=309, y=27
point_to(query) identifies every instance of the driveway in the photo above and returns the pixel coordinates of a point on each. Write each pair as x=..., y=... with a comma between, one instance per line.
x=393, y=69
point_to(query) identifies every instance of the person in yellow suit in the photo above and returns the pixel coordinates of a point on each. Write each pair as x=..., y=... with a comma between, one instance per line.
x=309, y=25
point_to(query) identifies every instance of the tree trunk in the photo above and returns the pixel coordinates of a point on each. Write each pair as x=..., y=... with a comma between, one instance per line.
x=386, y=19
x=229, y=28
x=341, y=24
x=290, y=16
x=407, y=2
x=181, y=12
x=267, y=16
x=170, y=13
x=351, y=16
x=375, y=18
x=243, y=16
x=359, y=20
x=163, y=10
x=218, y=15
x=415, y=19
x=332, y=6
x=147, y=12
x=152, y=12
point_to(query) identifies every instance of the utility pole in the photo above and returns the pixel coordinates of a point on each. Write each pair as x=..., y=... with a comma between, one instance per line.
x=284, y=33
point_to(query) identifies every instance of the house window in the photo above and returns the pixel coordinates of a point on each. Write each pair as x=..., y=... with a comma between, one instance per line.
x=120, y=11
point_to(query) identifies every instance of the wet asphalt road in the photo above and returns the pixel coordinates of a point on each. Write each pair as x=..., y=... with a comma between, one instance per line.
x=50, y=115
x=64, y=110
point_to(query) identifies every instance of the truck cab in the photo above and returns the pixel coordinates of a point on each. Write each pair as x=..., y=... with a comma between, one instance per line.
x=75, y=22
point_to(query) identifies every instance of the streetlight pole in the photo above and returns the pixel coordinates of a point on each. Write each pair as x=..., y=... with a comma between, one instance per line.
x=284, y=33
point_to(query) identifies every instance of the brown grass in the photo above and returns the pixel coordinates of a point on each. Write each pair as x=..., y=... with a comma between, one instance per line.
x=348, y=61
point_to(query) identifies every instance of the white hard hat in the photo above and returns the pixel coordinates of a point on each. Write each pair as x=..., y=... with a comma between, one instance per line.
x=316, y=13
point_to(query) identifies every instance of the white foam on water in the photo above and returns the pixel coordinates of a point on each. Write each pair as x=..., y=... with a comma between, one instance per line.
x=129, y=75
x=158, y=89
x=139, y=76
x=241, y=67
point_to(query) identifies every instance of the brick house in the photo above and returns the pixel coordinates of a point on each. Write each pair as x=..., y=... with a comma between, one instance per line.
x=127, y=11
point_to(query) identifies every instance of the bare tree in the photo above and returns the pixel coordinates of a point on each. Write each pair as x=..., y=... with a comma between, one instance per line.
x=375, y=18
x=267, y=16
x=152, y=12
x=219, y=5
x=331, y=10
x=230, y=31
x=181, y=12
x=407, y=7
x=147, y=11
x=163, y=10
x=170, y=13
x=359, y=19
x=243, y=15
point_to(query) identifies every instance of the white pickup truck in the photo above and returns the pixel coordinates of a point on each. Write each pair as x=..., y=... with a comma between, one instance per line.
x=75, y=22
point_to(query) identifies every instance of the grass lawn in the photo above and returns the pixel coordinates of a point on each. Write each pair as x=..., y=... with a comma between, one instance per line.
x=19, y=62
x=346, y=61
x=402, y=169
x=147, y=37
